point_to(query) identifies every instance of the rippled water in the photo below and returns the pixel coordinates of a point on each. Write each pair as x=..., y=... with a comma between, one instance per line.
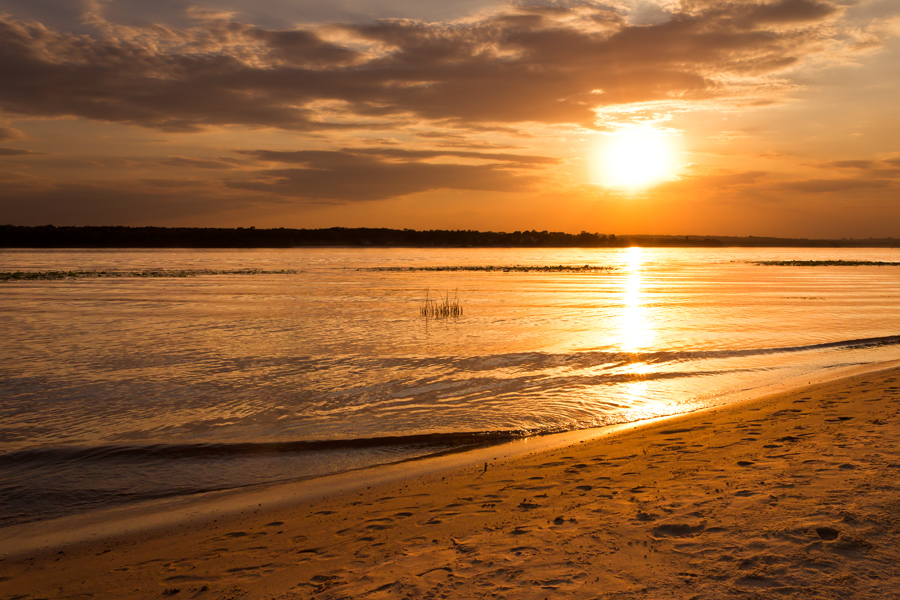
x=121, y=389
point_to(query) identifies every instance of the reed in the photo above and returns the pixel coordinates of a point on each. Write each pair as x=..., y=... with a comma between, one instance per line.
x=441, y=307
x=825, y=263
x=498, y=269
x=56, y=275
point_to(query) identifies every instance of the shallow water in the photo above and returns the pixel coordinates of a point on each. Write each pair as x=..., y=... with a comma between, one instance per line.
x=121, y=389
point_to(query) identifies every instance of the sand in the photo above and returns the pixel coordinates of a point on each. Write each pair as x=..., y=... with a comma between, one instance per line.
x=795, y=495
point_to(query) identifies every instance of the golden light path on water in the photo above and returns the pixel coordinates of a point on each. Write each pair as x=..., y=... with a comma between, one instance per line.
x=636, y=331
x=635, y=328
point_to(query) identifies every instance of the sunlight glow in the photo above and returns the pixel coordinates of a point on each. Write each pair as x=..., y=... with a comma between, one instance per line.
x=634, y=158
x=636, y=331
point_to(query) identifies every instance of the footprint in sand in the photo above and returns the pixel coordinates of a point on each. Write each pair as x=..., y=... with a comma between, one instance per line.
x=677, y=530
x=562, y=520
x=190, y=578
x=677, y=431
x=321, y=583
x=251, y=571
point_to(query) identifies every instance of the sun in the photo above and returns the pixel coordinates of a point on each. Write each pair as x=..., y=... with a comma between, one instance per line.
x=634, y=159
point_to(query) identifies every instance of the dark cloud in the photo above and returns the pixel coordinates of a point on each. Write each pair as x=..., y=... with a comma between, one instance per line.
x=196, y=163
x=112, y=203
x=174, y=183
x=44, y=73
x=521, y=159
x=717, y=181
x=888, y=173
x=8, y=133
x=270, y=13
x=440, y=135
x=55, y=161
x=526, y=65
x=878, y=169
x=345, y=176
x=303, y=156
x=849, y=164
x=303, y=48
x=818, y=186
x=789, y=11
x=61, y=14
x=15, y=152
x=78, y=205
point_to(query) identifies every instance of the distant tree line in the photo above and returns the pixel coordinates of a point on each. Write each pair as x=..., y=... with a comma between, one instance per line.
x=48, y=236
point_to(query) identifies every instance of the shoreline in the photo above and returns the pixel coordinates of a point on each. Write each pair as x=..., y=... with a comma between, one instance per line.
x=788, y=493
x=195, y=509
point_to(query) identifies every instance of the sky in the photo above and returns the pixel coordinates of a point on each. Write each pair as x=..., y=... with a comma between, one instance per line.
x=693, y=117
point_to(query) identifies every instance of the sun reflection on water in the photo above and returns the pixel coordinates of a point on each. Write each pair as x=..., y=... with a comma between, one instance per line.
x=636, y=334
x=635, y=330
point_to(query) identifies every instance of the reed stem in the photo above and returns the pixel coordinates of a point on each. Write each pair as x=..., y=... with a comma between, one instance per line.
x=441, y=308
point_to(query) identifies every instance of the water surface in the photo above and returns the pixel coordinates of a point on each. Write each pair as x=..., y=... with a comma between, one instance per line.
x=122, y=389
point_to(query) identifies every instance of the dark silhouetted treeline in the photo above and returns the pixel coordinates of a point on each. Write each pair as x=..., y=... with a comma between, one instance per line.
x=48, y=236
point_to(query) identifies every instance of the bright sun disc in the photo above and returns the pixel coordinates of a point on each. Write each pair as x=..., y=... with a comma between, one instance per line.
x=635, y=159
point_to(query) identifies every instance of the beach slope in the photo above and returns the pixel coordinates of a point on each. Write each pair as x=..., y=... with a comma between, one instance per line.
x=795, y=495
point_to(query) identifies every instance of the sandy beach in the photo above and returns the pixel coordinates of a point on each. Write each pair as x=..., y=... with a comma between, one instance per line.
x=793, y=495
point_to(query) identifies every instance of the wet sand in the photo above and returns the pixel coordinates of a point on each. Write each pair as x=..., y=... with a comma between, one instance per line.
x=795, y=495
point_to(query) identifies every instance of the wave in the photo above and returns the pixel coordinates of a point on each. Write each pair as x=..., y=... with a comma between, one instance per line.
x=680, y=356
x=430, y=442
x=591, y=358
x=248, y=449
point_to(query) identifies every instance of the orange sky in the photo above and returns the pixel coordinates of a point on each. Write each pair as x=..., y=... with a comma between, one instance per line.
x=782, y=117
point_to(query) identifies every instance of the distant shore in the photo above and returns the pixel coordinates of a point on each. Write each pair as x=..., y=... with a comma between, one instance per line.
x=49, y=236
x=792, y=494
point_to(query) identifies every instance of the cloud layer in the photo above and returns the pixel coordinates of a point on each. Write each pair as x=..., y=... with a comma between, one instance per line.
x=377, y=174
x=549, y=65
